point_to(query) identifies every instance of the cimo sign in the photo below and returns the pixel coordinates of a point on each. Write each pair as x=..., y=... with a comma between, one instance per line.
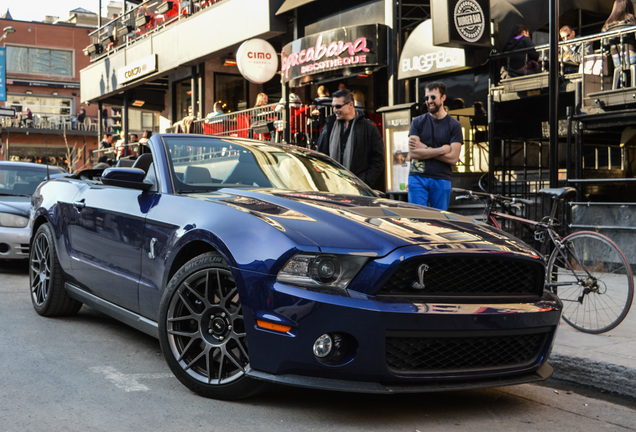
x=257, y=60
x=137, y=69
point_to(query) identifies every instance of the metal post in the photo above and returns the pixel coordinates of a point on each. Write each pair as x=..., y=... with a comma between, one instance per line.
x=100, y=121
x=124, y=122
x=554, y=93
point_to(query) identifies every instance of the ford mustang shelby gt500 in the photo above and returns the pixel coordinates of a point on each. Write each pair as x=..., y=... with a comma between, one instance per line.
x=256, y=263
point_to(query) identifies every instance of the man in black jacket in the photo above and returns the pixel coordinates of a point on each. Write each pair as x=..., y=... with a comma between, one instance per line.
x=352, y=140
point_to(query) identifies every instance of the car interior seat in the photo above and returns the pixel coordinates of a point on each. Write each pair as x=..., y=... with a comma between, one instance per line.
x=143, y=162
x=247, y=172
x=197, y=174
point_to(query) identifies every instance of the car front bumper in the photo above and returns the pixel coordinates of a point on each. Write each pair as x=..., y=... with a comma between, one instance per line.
x=14, y=243
x=403, y=347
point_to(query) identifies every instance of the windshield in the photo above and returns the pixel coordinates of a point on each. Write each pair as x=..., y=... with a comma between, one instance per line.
x=17, y=180
x=205, y=163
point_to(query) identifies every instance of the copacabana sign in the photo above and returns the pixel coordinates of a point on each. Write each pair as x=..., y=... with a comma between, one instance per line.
x=257, y=61
x=346, y=48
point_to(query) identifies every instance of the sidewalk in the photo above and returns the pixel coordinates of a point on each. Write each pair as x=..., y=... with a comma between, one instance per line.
x=605, y=362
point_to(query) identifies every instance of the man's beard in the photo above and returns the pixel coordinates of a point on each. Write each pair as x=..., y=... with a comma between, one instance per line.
x=433, y=109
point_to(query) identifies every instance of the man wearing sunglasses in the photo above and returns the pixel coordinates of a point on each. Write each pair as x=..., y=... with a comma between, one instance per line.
x=572, y=54
x=353, y=140
x=435, y=141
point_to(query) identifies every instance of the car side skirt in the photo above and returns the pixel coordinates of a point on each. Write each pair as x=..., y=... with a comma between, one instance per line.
x=541, y=374
x=127, y=317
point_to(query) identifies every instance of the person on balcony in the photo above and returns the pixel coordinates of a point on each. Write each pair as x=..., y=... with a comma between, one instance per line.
x=572, y=54
x=26, y=118
x=521, y=63
x=81, y=116
x=622, y=16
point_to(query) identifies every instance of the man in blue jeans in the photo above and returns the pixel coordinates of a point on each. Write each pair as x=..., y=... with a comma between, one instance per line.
x=435, y=141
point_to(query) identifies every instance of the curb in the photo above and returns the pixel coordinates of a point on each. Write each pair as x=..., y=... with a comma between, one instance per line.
x=604, y=376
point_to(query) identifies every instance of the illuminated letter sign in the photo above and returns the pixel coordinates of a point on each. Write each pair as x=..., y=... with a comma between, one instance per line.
x=341, y=49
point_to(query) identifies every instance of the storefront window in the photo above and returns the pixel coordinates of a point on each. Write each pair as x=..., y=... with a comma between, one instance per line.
x=231, y=90
x=40, y=105
x=183, y=99
x=39, y=61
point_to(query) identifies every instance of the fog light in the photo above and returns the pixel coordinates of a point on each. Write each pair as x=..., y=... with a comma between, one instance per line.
x=322, y=346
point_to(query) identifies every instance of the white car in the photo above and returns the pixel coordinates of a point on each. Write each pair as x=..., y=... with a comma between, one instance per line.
x=18, y=181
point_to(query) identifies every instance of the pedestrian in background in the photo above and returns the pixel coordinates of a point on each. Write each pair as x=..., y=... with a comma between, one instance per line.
x=354, y=141
x=435, y=141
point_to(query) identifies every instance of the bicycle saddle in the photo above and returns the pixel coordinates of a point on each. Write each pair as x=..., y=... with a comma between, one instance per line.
x=559, y=193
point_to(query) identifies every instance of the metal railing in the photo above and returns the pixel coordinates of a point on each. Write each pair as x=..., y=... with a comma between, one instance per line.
x=49, y=121
x=602, y=45
x=298, y=124
x=148, y=17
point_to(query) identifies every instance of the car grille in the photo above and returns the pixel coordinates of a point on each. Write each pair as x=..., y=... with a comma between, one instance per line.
x=441, y=353
x=465, y=276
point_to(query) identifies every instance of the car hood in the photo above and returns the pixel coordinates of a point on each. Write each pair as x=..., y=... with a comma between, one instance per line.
x=18, y=205
x=363, y=225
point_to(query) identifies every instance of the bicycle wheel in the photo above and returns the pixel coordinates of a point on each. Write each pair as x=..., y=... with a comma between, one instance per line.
x=594, y=281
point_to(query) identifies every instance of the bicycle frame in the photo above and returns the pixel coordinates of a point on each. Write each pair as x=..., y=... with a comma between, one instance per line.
x=602, y=311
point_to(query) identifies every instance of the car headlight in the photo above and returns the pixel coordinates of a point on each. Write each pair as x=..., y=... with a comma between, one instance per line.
x=13, y=221
x=321, y=270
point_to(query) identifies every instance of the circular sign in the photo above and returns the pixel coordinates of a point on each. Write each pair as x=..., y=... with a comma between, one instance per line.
x=469, y=20
x=257, y=60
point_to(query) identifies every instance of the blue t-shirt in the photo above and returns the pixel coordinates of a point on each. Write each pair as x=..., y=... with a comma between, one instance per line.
x=435, y=133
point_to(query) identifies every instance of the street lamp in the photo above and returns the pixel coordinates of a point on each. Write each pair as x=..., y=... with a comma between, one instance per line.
x=7, y=30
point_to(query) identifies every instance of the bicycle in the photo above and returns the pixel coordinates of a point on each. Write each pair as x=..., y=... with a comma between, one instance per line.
x=585, y=269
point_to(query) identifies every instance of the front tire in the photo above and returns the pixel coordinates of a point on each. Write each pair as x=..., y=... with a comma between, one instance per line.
x=202, y=330
x=48, y=295
x=598, y=295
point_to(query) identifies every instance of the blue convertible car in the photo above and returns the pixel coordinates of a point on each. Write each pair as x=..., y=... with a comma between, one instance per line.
x=256, y=263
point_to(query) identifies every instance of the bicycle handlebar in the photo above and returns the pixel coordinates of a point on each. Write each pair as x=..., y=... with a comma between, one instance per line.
x=469, y=194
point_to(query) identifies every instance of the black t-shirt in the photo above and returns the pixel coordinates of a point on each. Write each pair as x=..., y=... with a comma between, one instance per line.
x=435, y=133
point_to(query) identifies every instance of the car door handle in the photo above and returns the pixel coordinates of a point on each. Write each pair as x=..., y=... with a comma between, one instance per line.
x=79, y=204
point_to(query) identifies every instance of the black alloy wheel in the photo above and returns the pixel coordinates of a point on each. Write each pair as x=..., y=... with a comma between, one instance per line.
x=48, y=295
x=202, y=330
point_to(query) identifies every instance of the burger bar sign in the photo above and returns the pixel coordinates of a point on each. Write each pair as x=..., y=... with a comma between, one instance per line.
x=334, y=50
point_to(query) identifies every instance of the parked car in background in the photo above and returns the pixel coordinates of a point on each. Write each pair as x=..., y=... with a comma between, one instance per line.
x=18, y=181
x=256, y=263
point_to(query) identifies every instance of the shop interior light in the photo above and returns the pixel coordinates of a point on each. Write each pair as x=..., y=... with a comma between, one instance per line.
x=138, y=103
x=229, y=62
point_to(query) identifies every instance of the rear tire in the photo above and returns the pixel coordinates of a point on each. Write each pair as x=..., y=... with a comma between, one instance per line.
x=599, y=296
x=48, y=295
x=202, y=331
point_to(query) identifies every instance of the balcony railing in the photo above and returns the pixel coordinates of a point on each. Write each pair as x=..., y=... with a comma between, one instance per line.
x=598, y=50
x=49, y=121
x=150, y=16
x=266, y=123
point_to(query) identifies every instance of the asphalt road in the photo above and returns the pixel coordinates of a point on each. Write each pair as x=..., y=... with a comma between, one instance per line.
x=90, y=373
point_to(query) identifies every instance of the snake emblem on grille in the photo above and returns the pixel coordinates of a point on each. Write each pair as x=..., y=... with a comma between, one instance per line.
x=419, y=284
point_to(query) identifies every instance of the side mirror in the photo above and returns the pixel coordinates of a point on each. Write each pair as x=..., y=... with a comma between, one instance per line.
x=131, y=178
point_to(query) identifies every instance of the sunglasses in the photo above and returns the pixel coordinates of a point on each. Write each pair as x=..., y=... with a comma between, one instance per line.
x=431, y=97
x=338, y=106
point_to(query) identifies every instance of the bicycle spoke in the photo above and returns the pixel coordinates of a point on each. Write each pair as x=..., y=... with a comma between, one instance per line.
x=594, y=281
